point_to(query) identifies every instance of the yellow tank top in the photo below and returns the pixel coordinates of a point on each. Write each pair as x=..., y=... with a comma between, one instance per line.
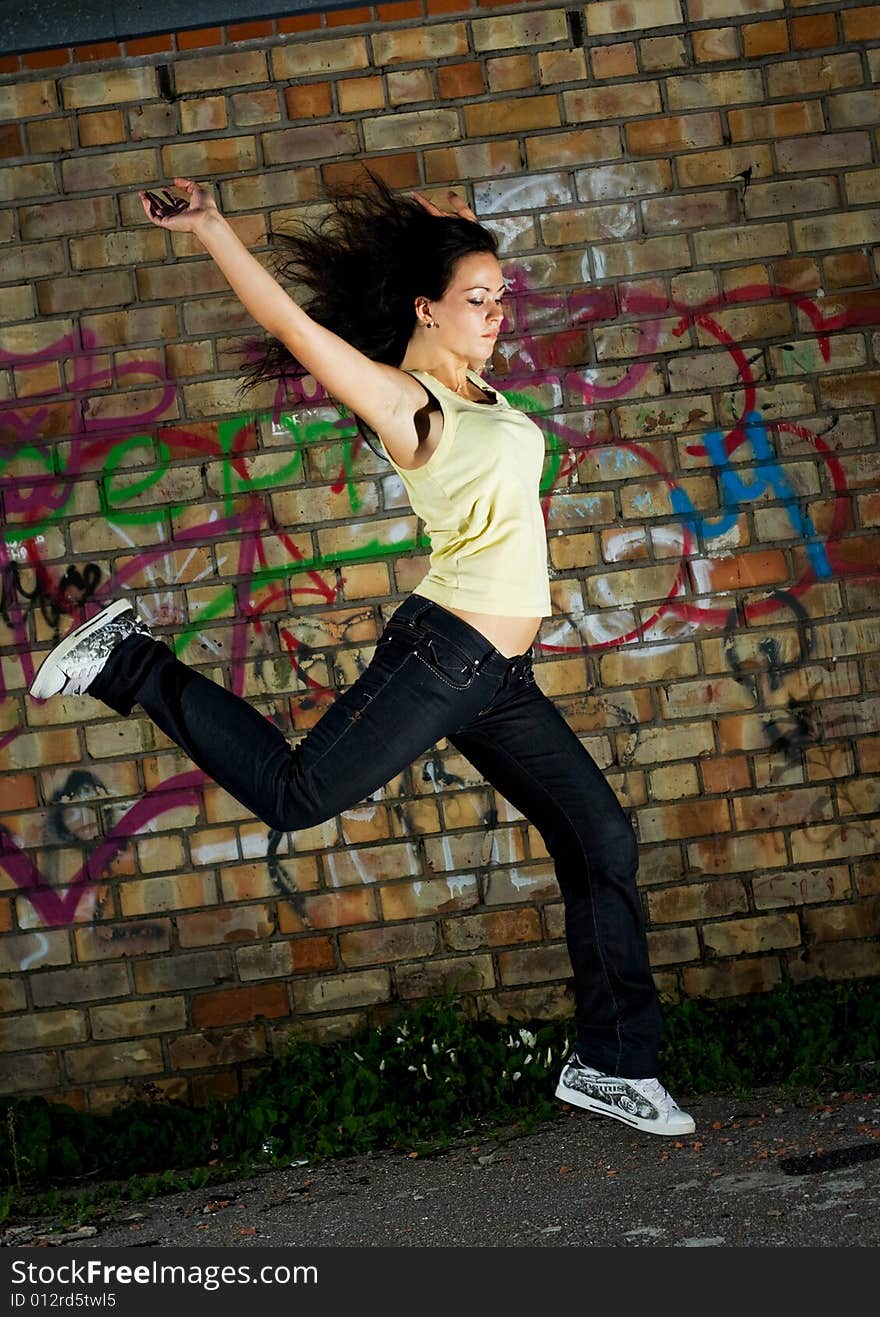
x=478, y=496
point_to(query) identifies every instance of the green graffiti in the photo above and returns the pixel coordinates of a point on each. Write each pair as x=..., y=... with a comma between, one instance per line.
x=111, y=496
x=371, y=551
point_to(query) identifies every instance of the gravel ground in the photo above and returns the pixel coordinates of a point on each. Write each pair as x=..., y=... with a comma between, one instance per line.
x=771, y=1170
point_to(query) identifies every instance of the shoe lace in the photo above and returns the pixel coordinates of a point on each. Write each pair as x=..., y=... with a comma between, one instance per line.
x=660, y=1096
x=83, y=677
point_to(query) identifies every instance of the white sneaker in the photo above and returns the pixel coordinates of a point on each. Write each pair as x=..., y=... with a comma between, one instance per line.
x=74, y=663
x=642, y=1103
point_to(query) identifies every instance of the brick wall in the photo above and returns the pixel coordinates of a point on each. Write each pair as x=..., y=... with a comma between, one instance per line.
x=688, y=196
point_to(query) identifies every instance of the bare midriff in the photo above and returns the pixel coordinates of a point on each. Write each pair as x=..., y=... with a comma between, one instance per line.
x=509, y=635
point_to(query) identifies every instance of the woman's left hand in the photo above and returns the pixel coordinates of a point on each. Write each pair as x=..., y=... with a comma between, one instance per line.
x=460, y=208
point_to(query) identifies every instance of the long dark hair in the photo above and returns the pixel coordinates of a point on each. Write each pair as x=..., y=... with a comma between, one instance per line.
x=362, y=267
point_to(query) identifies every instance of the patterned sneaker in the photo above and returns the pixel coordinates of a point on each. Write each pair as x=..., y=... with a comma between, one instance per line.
x=642, y=1103
x=74, y=663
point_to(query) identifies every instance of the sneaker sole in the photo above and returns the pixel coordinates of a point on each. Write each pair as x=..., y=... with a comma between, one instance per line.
x=575, y=1099
x=41, y=683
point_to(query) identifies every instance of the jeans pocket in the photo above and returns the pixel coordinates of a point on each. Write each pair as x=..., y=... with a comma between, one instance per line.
x=446, y=661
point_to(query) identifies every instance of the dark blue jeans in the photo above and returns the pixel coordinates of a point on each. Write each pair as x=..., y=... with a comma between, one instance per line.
x=434, y=676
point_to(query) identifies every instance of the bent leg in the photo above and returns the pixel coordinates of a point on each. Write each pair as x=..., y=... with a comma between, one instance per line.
x=523, y=747
x=396, y=710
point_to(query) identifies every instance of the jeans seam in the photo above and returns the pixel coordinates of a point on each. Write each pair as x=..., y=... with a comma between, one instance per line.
x=500, y=750
x=351, y=724
x=451, y=684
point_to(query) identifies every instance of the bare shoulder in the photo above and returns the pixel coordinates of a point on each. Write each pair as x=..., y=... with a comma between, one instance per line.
x=411, y=430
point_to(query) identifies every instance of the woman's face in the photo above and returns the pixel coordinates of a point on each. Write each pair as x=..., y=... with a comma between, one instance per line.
x=469, y=316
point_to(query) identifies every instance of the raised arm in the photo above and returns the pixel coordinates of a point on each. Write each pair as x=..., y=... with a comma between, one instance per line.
x=383, y=396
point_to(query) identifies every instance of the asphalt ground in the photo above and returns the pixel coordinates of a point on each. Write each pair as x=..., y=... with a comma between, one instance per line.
x=774, y=1170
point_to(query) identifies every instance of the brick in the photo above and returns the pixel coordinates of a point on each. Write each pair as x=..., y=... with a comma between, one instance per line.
x=760, y=39
x=109, y=169
x=116, y=1060
x=49, y=136
x=268, y=960
x=12, y=995
x=782, y=808
x=182, y=971
x=313, y=101
x=611, y=17
x=375, y=946
x=731, y=87
x=229, y=924
x=101, y=250
x=837, y=960
x=456, y=81
x=715, y=43
x=674, y=782
x=533, y=965
x=697, y=901
x=434, y=896
x=617, y=61
x=81, y=983
x=561, y=66
x=666, y=136
x=134, y=1018
x=829, y=842
x=742, y=936
x=843, y=922
x=36, y=1071
x=428, y=978
x=240, y=1005
x=130, y=938
x=801, y=887
x=517, y=31
x=34, y=951
x=647, y=256
x=759, y=240
x=579, y=147
x=101, y=128
x=109, y=87
x=214, y=155
x=282, y=146
x=146, y=122
x=776, y=121
x=42, y=1029
x=26, y=99
x=303, y=60
x=702, y=168
x=255, y=107
x=180, y=891
x=209, y=73
x=495, y=929
x=732, y=978
x=334, y=909
x=203, y=114
x=826, y=73
x=604, y=103
x=228, y=1048
x=673, y=946
x=825, y=151
x=416, y=128
x=23, y=181
x=409, y=86
x=340, y=991
x=16, y=303
x=421, y=45
x=511, y=73
x=792, y=196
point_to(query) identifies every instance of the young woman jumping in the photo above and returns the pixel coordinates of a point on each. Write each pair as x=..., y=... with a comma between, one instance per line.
x=404, y=299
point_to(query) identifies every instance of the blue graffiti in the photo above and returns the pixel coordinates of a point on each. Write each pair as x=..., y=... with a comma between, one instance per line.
x=767, y=474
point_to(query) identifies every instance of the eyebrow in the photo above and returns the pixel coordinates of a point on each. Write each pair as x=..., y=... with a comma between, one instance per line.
x=505, y=287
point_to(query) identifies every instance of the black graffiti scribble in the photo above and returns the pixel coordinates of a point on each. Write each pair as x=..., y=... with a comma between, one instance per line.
x=282, y=879
x=74, y=589
x=79, y=787
x=769, y=646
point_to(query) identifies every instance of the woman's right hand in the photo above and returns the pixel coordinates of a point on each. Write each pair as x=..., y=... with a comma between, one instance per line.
x=182, y=217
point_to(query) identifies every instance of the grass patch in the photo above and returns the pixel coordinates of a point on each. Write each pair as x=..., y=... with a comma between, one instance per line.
x=417, y=1085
